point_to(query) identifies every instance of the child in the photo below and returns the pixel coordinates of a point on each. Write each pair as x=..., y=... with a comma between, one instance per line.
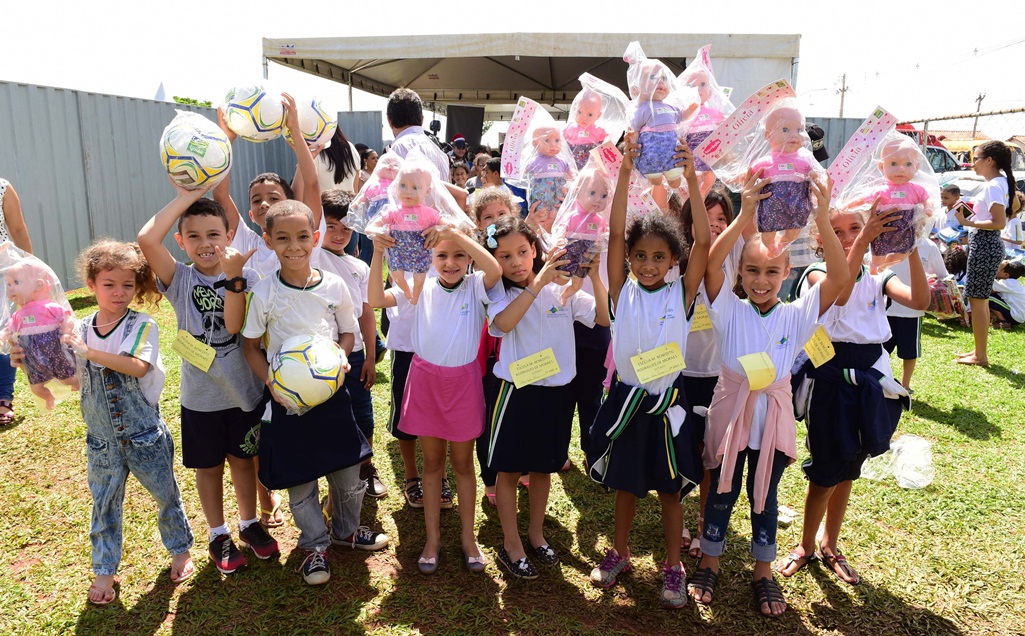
x=751, y=418
x=325, y=442
x=120, y=356
x=1007, y=303
x=950, y=194
x=221, y=403
x=265, y=190
x=1012, y=233
x=906, y=323
x=637, y=442
x=459, y=174
x=850, y=420
x=531, y=424
x=443, y=403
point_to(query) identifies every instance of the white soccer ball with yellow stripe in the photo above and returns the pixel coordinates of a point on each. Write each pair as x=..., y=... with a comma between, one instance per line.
x=306, y=371
x=253, y=113
x=316, y=121
x=194, y=151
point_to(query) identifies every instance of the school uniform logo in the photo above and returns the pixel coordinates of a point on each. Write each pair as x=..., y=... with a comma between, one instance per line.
x=556, y=311
x=464, y=309
x=873, y=304
x=669, y=315
x=783, y=342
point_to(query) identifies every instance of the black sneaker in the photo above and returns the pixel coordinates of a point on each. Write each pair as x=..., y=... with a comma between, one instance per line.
x=225, y=555
x=262, y=544
x=375, y=487
x=522, y=569
x=447, y=497
x=316, y=570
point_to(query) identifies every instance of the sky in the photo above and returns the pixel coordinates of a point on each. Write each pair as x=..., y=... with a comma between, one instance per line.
x=930, y=58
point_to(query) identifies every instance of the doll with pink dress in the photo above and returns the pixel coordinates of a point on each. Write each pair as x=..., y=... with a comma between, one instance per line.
x=584, y=134
x=374, y=195
x=713, y=109
x=789, y=166
x=37, y=327
x=582, y=227
x=547, y=172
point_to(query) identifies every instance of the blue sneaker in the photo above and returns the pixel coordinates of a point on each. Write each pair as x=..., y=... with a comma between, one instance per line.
x=316, y=570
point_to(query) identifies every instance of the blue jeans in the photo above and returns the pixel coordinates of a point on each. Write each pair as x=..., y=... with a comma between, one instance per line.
x=719, y=507
x=124, y=434
x=6, y=378
x=347, y=491
x=362, y=401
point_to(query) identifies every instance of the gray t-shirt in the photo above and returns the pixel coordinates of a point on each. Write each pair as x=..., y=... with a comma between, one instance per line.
x=229, y=383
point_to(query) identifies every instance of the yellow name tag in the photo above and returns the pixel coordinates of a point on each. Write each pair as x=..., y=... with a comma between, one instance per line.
x=658, y=362
x=759, y=369
x=819, y=348
x=193, y=351
x=534, y=368
x=701, y=319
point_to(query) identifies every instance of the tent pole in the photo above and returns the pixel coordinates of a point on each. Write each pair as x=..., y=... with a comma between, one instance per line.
x=265, y=70
x=350, y=93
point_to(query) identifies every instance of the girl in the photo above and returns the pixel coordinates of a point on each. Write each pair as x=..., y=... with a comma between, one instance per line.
x=751, y=416
x=636, y=442
x=122, y=377
x=702, y=354
x=985, y=248
x=444, y=402
x=849, y=420
x=531, y=424
x=14, y=229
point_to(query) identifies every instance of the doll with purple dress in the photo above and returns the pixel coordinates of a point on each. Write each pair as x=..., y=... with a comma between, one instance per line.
x=547, y=172
x=582, y=227
x=374, y=195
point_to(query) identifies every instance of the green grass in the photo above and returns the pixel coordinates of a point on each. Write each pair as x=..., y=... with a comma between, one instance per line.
x=941, y=560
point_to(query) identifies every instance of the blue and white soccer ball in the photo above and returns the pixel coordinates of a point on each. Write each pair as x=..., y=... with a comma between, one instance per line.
x=317, y=123
x=253, y=113
x=194, y=151
x=306, y=371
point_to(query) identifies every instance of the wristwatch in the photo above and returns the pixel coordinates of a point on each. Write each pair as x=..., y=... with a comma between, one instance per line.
x=236, y=285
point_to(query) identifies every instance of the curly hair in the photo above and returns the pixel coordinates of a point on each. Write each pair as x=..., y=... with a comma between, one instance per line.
x=486, y=196
x=661, y=226
x=107, y=254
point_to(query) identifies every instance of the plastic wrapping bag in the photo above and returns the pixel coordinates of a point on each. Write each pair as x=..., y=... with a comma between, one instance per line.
x=194, y=150
x=892, y=170
x=317, y=122
x=659, y=112
x=534, y=157
x=374, y=194
x=639, y=202
x=305, y=372
x=598, y=113
x=714, y=107
x=254, y=112
x=945, y=302
x=35, y=316
x=417, y=200
x=909, y=461
x=582, y=224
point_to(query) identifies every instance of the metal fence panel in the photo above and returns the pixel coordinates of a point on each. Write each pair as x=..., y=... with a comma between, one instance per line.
x=837, y=131
x=362, y=127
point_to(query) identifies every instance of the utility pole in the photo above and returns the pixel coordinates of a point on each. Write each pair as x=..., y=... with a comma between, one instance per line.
x=978, y=109
x=842, y=91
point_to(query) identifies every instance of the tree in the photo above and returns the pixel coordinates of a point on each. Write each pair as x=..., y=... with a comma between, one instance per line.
x=190, y=101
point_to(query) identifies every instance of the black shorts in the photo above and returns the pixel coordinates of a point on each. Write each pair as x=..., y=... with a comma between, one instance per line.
x=210, y=436
x=906, y=337
x=400, y=361
x=832, y=473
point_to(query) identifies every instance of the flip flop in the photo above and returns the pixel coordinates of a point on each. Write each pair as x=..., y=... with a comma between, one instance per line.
x=686, y=541
x=109, y=594
x=273, y=521
x=695, y=549
x=793, y=558
x=8, y=417
x=186, y=572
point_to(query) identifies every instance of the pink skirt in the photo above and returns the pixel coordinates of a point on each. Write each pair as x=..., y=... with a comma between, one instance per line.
x=443, y=402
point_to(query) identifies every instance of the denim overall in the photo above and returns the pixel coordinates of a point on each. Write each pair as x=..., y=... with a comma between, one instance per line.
x=124, y=434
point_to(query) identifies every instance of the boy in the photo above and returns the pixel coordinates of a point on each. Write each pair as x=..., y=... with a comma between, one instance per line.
x=1007, y=302
x=221, y=400
x=354, y=272
x=326, y=442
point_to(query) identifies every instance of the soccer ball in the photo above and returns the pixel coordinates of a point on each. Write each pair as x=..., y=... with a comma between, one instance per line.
x=306, y=371
x=194, y=150
x=316, y=123
x=254, y=114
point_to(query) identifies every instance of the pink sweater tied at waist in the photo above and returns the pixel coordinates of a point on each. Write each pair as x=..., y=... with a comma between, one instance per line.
x=728, y=428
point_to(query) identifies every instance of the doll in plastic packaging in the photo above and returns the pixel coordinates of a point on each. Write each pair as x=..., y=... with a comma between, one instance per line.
x=712, y=111
x=789, y=166
x=582, y=226
x=405, y=220
x=547, y=172
x=37, y=327
x=584, y=134
x=374, y=195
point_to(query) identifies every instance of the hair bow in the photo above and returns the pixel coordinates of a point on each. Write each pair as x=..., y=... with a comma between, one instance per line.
x=492, y=243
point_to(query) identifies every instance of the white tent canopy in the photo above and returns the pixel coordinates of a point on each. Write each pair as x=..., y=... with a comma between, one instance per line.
x=494, y=69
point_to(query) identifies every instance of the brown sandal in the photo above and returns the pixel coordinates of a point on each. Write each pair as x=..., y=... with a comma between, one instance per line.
x=8, y=417
x=767, y=592
x=837, y=559
x=795, y=557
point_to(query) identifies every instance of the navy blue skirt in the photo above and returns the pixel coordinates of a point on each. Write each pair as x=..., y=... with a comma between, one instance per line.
x=530, y=428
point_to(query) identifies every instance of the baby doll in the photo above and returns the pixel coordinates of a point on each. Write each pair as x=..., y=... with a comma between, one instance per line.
x=584, y=134
x=406, y=222
x=547, y=172
x=704, y=123
x=37, y=327
x=583, y=228
x=375, y=194
x=899, y=161
x=789, y=166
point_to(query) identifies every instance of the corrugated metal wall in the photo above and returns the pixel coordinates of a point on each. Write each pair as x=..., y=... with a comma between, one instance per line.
x=87, y=165
x=362, y=127
x=837, y=132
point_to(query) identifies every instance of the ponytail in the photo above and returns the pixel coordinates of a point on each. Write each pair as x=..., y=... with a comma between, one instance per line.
x=1000, y=153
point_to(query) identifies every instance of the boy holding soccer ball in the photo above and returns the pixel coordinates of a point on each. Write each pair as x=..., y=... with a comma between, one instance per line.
x=325, y=442
x=221, y=400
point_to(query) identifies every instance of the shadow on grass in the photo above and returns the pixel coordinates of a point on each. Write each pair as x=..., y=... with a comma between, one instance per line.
x=947, y=329
x=82, y=302
x=145, y=617
x=1016, y=380
x=970, y=422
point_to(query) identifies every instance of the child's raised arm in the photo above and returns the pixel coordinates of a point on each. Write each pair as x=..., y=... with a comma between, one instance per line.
x=837, y=273
x=307, y=169
x=375, y=284
x=750, y=196
x=877, y=224
x=222, y=191
x=698, y=260
x=601, y=295
x=617, y=218
x=917, y=294
x=151, y=236
x=507, y=319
